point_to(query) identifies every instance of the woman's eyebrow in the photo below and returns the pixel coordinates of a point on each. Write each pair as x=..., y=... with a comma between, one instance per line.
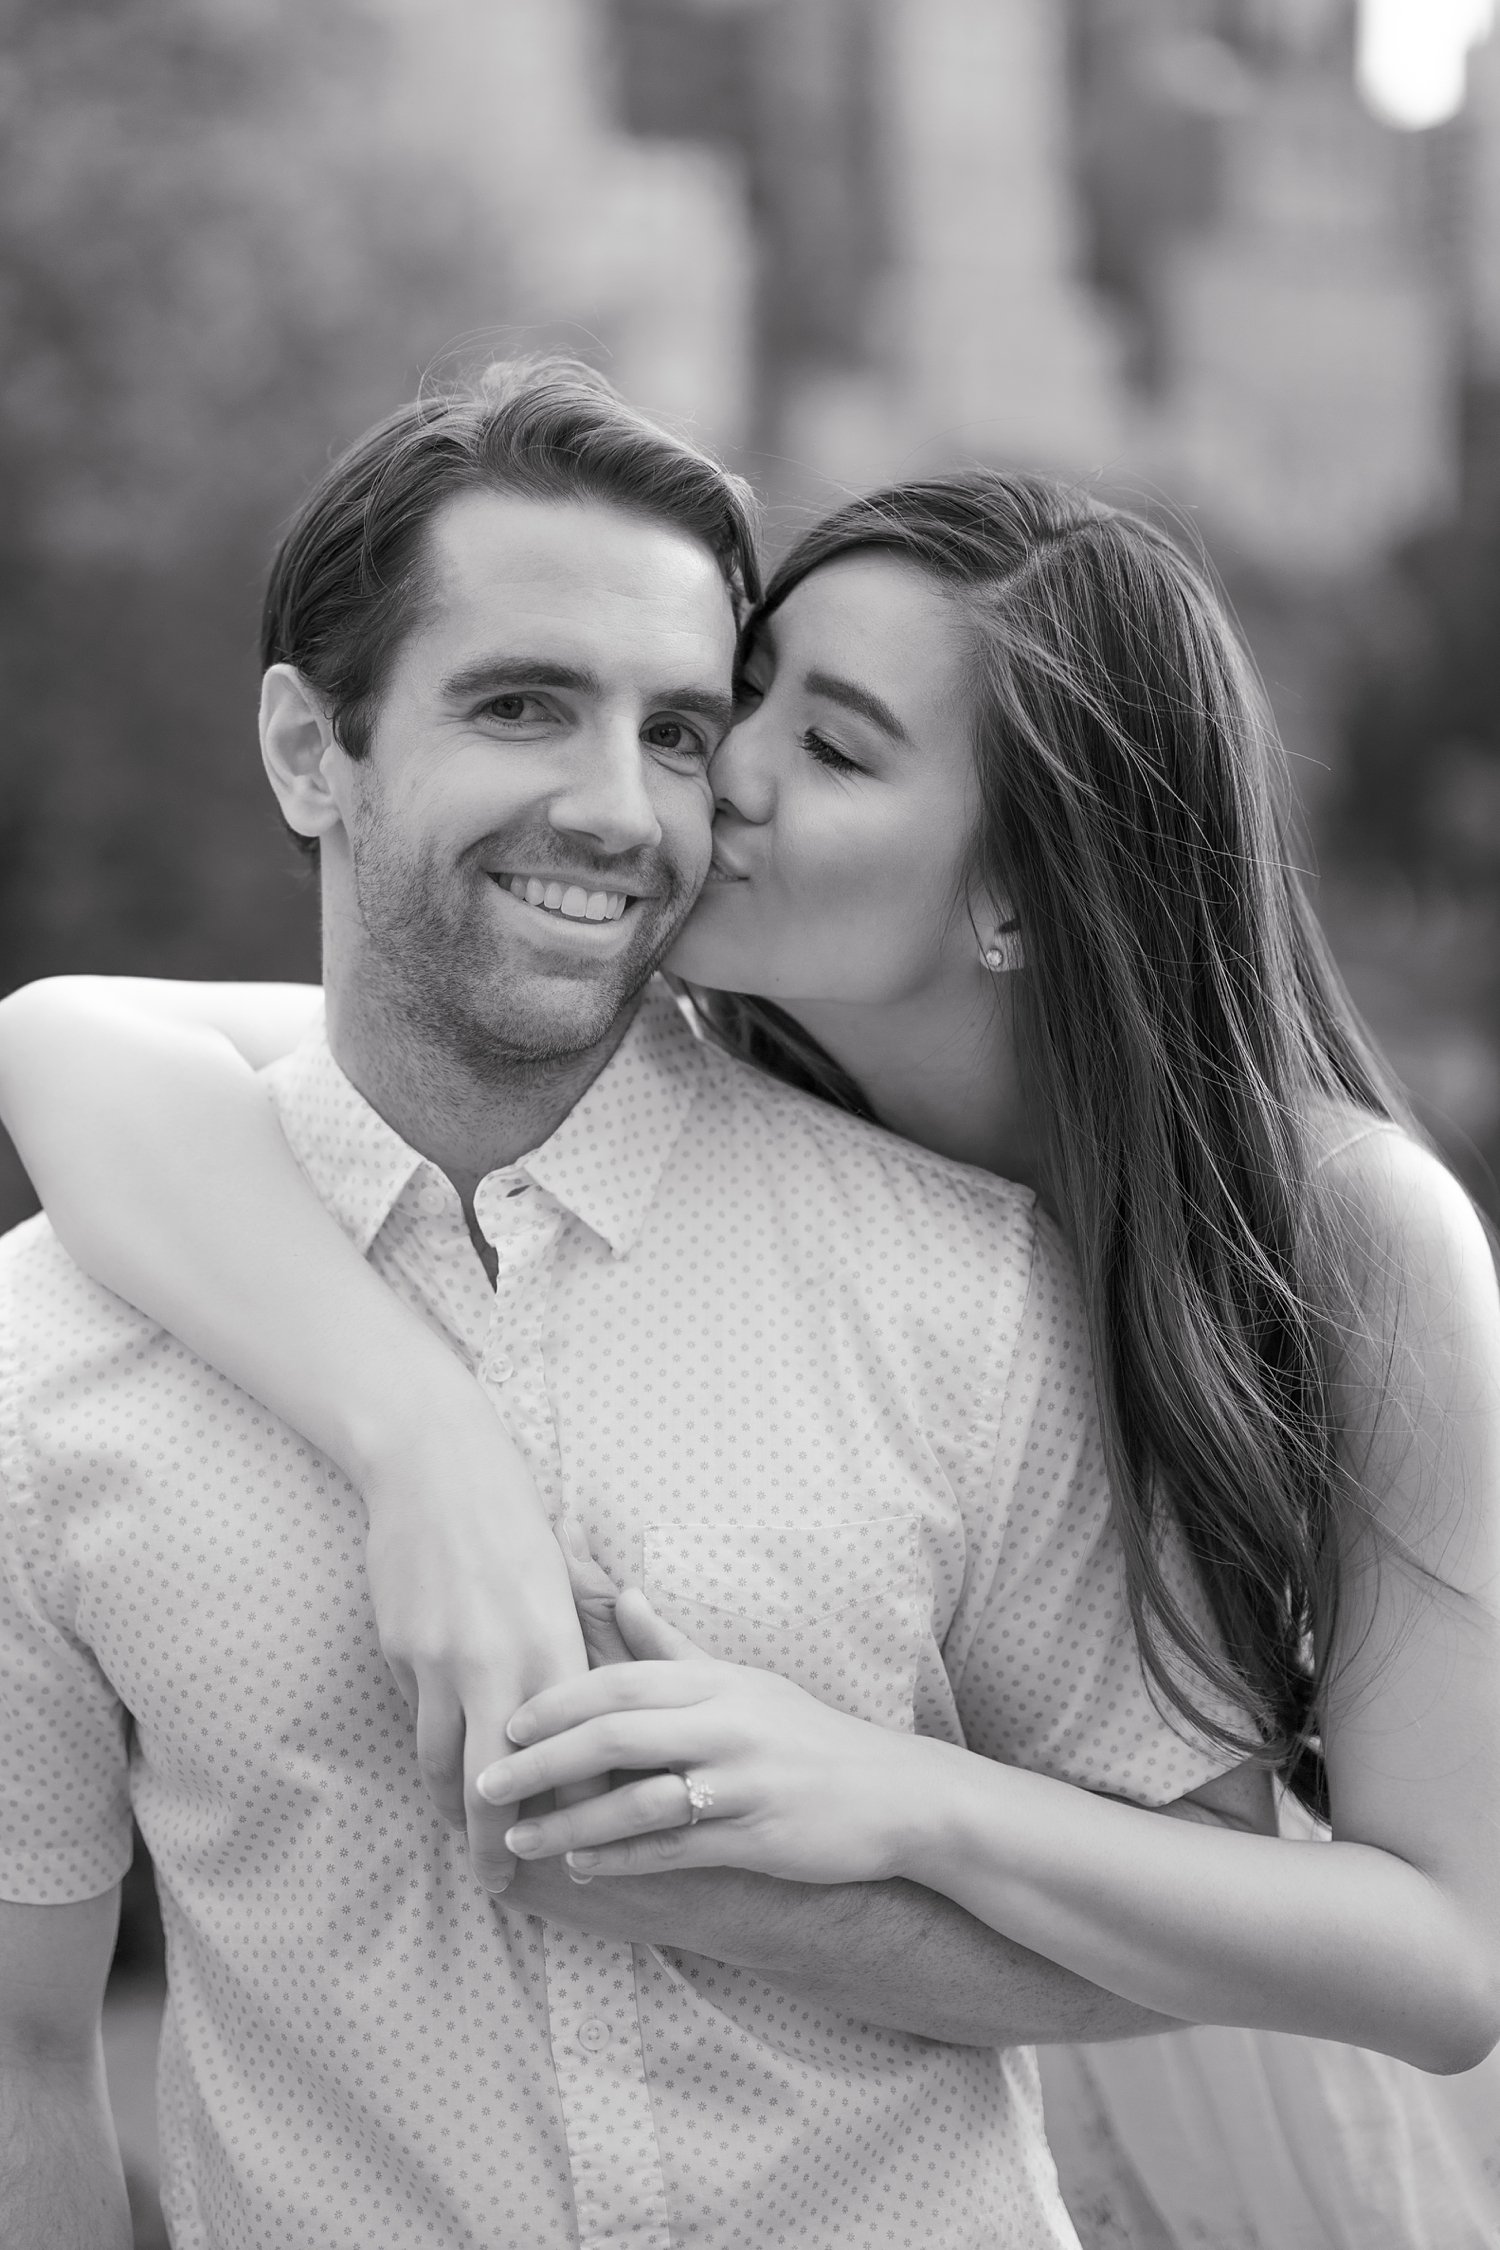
x=859, y=699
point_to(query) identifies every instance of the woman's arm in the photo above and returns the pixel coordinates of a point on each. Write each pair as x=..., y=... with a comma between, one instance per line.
x=158, y=1156
x=262, y=1022
x=1388, y=1936
x=893, y=1953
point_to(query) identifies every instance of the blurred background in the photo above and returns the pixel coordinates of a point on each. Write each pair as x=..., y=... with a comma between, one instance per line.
x=1238, y=260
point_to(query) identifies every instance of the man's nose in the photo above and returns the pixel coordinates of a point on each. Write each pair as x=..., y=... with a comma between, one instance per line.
x=606, y=797
x=740, y=771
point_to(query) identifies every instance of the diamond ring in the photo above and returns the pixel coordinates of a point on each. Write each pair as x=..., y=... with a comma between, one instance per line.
x=700, y=1798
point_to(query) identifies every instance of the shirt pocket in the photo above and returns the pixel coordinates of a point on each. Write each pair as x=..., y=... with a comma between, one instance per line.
x=844, y=1609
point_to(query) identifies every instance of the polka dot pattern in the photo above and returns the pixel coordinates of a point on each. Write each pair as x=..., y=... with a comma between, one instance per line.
x=827, y=1397
x=842, y=1609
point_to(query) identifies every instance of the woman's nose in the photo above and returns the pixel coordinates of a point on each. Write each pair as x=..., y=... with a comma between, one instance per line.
x=740, y=772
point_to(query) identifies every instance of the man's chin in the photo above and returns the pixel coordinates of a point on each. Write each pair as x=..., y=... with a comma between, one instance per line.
x=555, y=1016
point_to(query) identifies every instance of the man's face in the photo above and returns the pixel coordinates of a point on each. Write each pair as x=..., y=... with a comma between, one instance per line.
x=530, y=824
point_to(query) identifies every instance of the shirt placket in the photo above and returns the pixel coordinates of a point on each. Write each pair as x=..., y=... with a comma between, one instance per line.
x=598, y=2057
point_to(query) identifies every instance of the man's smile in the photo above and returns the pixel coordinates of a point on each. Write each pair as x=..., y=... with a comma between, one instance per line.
x=574, y=900
x=574, y=910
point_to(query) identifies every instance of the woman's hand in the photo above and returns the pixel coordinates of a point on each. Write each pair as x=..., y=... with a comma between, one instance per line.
x=787, y=1786
x=595, y=1595
x=472, y=1599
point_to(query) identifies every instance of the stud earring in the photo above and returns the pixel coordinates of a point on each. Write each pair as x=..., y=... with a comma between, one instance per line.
x=1004, y=951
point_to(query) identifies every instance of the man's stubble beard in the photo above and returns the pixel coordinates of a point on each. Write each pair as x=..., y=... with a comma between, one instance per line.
x=439, y=979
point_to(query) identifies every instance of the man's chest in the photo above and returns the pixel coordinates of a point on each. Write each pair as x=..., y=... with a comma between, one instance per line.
x=755, y=1447
x=747, y=1441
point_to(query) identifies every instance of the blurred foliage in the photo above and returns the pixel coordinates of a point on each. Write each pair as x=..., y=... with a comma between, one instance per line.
x=1413, y=828
x=215, y=259
x=1424, y=719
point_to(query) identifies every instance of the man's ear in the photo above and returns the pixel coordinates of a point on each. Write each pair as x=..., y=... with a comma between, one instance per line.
x=298, y=745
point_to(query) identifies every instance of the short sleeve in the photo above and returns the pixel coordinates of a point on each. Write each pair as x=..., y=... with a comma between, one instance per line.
x=1042, y=1652
x=65, y=1831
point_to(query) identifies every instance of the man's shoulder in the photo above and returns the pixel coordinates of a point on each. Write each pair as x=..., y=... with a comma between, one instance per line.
x=52, y=1313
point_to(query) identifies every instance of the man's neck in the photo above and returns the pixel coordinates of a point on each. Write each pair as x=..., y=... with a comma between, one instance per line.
x=467, y=1118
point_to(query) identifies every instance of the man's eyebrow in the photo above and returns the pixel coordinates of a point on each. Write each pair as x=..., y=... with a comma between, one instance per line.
x=705, y=703
x=495, y=675
x=853, y=697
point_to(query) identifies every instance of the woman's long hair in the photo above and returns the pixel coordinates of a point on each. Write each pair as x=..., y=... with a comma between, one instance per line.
x=1183, y=1032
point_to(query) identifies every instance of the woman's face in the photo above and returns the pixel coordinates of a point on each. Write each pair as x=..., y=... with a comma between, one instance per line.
x=845, y=800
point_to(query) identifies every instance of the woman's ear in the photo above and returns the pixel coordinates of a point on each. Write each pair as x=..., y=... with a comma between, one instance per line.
x=296, y=741
x=993, y=921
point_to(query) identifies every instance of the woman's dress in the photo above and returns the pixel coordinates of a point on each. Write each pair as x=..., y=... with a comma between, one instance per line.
x=1218, y=2139
x=1215, y=2139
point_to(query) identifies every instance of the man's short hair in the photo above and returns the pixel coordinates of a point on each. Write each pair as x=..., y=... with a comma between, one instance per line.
x=349, y=577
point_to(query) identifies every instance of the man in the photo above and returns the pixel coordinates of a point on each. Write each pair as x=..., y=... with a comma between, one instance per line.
x=825, y=1397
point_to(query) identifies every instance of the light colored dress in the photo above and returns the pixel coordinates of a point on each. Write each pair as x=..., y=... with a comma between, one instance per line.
x=1219, y=2139
x=1223, y=2139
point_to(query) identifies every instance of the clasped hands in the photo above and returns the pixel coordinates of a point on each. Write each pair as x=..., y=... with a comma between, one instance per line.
x=795, y=1789
x=491, y=1626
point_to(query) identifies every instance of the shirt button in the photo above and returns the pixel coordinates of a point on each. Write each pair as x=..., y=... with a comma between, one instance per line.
x=593, y=2035
x=498, y=1370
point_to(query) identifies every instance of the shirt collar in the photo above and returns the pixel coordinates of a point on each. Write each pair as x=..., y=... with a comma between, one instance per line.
x=606, y=1159
x=358, y=1164
x=604, y=1163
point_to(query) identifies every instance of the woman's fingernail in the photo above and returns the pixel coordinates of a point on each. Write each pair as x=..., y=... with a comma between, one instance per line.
x=518, y=1730
x=494, y=1784
x=581, y=1862
x=522, y=1836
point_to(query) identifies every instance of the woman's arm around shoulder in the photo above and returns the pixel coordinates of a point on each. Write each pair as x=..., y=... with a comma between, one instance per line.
x=41, y=1024
x=128, y=1099
x=158, y=1155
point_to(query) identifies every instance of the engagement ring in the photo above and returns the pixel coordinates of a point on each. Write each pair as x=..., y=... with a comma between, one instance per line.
x=700, y=1799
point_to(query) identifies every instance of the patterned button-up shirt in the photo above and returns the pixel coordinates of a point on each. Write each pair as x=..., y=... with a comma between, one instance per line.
x=827, y=1398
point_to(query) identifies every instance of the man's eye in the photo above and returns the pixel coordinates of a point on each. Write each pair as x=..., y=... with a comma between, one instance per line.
x=509, y=708
x=672, y=736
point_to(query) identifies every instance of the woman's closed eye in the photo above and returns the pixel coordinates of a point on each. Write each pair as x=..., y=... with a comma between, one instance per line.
x=826, y=753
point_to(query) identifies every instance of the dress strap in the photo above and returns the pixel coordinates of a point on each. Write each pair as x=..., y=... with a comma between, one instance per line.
x=1352, y=1140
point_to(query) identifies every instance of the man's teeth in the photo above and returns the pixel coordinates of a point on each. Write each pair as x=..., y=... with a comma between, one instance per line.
x=571, y=899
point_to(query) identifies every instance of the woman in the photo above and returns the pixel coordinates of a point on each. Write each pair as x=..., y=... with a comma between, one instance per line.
x=1000, y=862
